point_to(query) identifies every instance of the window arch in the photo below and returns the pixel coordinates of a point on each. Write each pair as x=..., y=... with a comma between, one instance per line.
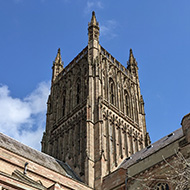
x=127, y=103
x=70, y=95
x=161, y=186
x=64, y=103
x=112, y=91
x=78, y=91
x=135, y=111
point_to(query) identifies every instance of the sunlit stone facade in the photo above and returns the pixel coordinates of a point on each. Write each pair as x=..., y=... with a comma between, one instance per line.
x=95, y=114
x=96, y=134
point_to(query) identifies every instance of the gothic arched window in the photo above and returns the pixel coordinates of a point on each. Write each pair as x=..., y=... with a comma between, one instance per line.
x=69, y=96
x=112, y=91
x=78, y=90
x=161, y=186
x=64, y=101
x=127, y=102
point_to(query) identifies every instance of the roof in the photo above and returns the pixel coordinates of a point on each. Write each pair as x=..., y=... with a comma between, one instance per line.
x=36, y=156
x=149, y=150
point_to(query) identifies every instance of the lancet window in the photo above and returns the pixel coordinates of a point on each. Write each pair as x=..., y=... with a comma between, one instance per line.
x=135, y=111
x=64, y=101
x=112, y=91
x=78, y=90
x=70, y=96
x=127, y=103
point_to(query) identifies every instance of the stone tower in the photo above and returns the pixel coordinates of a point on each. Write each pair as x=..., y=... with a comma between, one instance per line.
x=95, y=111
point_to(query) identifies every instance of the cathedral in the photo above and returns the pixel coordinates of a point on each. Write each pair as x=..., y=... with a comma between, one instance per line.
x=95, y=114
x=95, y=135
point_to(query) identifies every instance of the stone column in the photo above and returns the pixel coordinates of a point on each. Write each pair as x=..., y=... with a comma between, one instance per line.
x=125, y=141
x=130, y=138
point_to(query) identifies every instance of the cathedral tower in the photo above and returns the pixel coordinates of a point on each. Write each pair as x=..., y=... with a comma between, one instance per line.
x=95, y=111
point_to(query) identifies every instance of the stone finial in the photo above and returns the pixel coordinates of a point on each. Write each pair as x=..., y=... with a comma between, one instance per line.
x=186, y=126
x=131, y=63
x=58, y=57
x=93, y=35
x=57, y=65
x=93, y=19
x=131, y=57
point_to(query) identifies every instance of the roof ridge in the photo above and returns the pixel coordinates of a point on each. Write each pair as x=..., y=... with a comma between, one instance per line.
x=17, y=147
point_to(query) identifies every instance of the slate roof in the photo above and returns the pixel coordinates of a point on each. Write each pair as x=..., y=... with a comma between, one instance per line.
x=36, y=156
x=163, y=142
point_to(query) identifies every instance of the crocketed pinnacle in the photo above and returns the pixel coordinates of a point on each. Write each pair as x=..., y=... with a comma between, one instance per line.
x=58, y=57
x=93, y=19
x=131, y=57
x=141, y=99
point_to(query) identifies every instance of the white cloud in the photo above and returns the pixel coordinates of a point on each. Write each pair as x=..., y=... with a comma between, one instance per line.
x=24, y=119
x=92, y=5
x=109, y=29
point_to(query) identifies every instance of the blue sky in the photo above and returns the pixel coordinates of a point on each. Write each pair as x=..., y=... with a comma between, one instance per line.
x=32, y=30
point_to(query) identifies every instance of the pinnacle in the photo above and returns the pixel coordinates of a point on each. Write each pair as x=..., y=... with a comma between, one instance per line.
x=93, y=19
x=142, y=100
x=131, y=57
x=58, y=57
x=131, y=52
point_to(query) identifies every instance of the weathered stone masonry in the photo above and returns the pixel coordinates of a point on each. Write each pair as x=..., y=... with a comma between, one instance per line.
x=95, y=114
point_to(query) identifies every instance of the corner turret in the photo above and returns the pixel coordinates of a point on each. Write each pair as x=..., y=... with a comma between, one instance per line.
x=57, y=65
